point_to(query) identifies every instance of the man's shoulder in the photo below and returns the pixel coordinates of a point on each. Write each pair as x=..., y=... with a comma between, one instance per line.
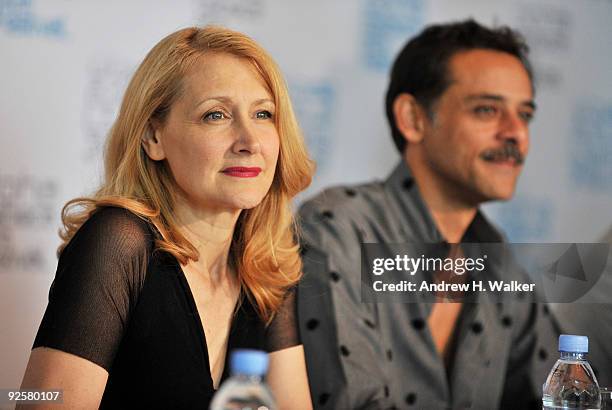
x=344, y=203
x=339, y=218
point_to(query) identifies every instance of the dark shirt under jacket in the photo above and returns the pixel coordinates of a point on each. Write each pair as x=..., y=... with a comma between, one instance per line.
x=118, y=303
x=382, y=355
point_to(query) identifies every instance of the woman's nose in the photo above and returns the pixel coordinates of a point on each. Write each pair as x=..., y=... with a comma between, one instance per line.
x=247, y=141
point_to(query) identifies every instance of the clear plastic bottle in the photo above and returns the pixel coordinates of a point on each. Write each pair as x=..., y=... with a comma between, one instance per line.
x=571, y=384
x=246, y=389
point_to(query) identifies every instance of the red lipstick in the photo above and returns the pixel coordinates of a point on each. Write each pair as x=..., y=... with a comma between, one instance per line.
x=242, y=172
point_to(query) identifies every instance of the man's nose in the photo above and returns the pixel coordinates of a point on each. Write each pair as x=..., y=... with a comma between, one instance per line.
x=512, y=126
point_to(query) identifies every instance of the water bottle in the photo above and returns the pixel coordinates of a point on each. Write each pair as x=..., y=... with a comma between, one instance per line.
x=571, y=384
x=246, y=389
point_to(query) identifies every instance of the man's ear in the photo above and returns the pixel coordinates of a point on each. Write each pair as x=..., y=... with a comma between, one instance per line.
x=410, y=118
x=151, y=142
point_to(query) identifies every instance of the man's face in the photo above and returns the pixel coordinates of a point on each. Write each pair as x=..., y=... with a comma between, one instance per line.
x=475, y=144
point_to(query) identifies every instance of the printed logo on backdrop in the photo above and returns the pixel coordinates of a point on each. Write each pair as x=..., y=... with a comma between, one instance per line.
x=314, y=103
x=548, y=30
x=590, y=146
x=547, y=27
x=386, y=26
x=526, y=218
x=546, y=75
x=223, y=11
x=27, y=214
x=105, y=83
x=21, y=17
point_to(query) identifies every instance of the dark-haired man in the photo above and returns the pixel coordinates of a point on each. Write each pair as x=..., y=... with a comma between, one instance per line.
x=459, y=105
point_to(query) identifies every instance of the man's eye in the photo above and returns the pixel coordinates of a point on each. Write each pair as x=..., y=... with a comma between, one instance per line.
x=264, y=114
x=526, y=116
x=214, y=116
x=485, y=110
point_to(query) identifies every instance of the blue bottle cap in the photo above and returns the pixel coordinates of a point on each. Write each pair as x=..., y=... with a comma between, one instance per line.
x=249, y=362
x=573, y=344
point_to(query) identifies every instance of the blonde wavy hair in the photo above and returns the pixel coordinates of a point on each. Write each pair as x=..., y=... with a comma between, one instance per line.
x=263, y=249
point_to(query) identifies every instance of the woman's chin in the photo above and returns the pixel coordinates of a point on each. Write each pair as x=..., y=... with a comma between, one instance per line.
x=246, y=201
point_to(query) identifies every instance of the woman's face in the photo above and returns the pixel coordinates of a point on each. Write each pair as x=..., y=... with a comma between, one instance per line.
x=219, y=138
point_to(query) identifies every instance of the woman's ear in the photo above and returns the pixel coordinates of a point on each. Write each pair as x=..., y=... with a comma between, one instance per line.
x=409, y=118
x=151, y=142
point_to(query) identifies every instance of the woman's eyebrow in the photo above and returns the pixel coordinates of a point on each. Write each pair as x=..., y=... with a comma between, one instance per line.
x=220, y=98
x=226, y=99
x=263, y=100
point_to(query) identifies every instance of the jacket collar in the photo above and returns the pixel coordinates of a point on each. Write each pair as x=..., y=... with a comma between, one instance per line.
x=413, y=214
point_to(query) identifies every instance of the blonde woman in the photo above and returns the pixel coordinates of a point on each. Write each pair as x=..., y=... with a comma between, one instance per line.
x=187, y=250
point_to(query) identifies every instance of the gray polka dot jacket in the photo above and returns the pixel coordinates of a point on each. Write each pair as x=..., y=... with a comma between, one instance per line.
x=382, y=355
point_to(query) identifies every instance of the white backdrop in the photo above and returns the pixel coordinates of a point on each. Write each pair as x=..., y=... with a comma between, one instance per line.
x=64, y=66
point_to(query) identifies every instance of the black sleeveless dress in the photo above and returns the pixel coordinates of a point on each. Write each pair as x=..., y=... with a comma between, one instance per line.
x=118, y=303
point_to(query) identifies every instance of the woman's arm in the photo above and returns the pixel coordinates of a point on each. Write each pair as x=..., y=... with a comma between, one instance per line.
x=82, y=381
x=98, y=278
x=288, y=379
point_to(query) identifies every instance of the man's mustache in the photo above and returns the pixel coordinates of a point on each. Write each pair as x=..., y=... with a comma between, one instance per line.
x=505, y=152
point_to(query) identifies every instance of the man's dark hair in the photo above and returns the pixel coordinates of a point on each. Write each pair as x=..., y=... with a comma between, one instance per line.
x=421, y=68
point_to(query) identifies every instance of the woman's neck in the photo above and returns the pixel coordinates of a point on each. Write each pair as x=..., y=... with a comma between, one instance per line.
x=211, y=232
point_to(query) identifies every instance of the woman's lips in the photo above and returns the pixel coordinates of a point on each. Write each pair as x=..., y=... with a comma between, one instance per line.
x=242, y=172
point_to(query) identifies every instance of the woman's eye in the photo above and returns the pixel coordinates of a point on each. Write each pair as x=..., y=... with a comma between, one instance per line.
x=264, y=114
x=214, y=116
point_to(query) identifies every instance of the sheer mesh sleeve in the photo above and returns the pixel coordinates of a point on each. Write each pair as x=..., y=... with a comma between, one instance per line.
x=98, y=278
x=283, y=331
